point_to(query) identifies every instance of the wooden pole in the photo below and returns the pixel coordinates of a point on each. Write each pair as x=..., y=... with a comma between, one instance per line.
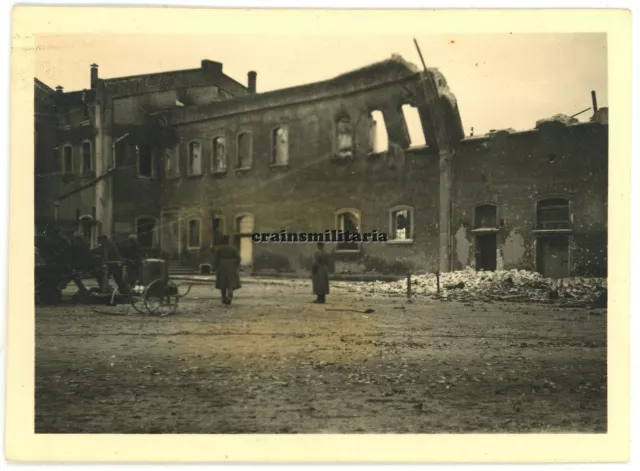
x=438, y=282
x=409, y=285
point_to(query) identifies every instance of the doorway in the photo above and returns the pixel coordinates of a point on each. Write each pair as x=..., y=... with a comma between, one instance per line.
x=486, y=246
x=553, y=256
x=243, y=241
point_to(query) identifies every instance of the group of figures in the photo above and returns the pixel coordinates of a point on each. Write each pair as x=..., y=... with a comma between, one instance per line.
x=60, y=260
x=227, y=264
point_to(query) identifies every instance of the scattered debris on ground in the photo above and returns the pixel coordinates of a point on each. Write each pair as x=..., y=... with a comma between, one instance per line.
x=503, y=285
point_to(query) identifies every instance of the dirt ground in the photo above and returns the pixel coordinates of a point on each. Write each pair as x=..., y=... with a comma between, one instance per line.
x=273, y=362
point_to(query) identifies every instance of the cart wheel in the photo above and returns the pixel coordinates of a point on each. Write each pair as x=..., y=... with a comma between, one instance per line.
x=159, y=298
x=138, y=302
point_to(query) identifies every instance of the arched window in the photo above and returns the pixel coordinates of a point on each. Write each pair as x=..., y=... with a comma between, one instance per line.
x=244, y=224
x=87, y=158
x=219, y=155
x=86, y=227
x=244, y=156
x=401, y=224
x=280, y=146
x=195, y=160
x=348, y=220
x=344, y=137
x=145, y=231
x=553, y=214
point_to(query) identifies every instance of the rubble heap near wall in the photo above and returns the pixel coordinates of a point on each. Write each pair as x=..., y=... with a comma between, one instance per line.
x=505, y=285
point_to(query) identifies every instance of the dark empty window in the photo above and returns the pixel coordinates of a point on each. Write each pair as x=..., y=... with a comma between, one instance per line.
x=244, y=150
x=553, y=214
x=67, y=159
x=402, y=223
x=486, y=217
x=86, y=226
x=144, y=231
x=280, y=146
x=348, y=221
x=145, y=161
x=87, y=161
x=193, y=236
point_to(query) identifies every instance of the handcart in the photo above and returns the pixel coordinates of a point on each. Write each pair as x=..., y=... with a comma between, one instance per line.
x=150, y=291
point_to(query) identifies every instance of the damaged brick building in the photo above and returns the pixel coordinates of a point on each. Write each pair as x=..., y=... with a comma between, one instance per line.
x=183, y=157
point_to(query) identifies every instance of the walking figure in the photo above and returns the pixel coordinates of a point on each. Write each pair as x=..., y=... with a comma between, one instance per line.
x=320, y=274
x=226, y=261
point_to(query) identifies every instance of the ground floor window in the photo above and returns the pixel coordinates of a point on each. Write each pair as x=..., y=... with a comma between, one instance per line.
x=401, y=224
x=348, y=220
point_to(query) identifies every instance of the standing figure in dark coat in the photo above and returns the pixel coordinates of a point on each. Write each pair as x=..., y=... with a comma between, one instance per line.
x=113, y=260
x=320, y=274
x=226, y=261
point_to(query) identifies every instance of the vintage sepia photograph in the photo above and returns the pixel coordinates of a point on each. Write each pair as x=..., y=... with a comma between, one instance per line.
x=335, y=233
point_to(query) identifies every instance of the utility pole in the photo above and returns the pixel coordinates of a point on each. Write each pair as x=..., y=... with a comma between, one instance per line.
x=445, y=152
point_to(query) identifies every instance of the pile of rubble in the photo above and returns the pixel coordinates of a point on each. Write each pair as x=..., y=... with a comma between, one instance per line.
x=505, y=285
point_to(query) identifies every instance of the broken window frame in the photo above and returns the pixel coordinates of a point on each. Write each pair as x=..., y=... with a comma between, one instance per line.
x=475, y=227
x=172, y=154
x=152, y=172
x=373, y=135
x=274, y=146
x=409, y=239
x=153, y=232
x=190, y=158
x=343, y=117
x=340, y=247
x=86, y=171
x=413, y=145
x=223, y=168
x=250, y=151
x=190, y=233
x=561, y=202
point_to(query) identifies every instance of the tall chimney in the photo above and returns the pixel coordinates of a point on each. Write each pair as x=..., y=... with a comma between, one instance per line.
x=594, y=101
x=94, y=76
x=252, y=81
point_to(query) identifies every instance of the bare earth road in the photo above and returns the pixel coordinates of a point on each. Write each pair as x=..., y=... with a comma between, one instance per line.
x=275, y=363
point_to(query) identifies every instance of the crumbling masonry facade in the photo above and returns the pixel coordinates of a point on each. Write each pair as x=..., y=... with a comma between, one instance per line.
x=184, y=157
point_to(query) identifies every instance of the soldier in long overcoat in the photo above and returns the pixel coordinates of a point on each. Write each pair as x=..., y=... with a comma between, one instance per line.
x=226, y=261
x=320, y=274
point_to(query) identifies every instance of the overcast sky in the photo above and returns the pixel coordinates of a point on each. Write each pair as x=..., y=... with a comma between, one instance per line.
x=500, y=80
